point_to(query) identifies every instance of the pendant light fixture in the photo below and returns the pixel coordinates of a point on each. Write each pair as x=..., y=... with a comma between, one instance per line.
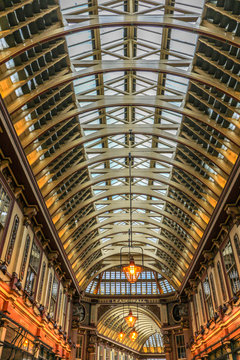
x=131, y=271
x=130, y=319
x=121, y=334
x=134, y=334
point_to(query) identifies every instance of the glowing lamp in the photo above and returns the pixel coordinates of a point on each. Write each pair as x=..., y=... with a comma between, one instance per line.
x=132, y=271
x=121, y=335
x=133, y=335
x=130, y=319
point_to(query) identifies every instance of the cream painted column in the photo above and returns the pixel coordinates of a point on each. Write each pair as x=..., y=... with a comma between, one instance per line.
x=163, y=314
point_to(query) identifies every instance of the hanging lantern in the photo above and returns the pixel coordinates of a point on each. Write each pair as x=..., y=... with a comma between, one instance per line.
x=133, y=335
x=121, y=335
x=130, y=319
x=132, y=271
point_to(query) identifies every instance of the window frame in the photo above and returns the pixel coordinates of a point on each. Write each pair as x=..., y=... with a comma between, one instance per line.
x=208, y=297
x=11, y=202
x=180, y=346
x=229, y=270
x=35, y=280
x=221, y=280
x=79, y=347
x=42, y=280
x=53, y=301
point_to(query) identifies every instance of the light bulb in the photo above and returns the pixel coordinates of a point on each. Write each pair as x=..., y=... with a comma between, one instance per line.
x=132, y=269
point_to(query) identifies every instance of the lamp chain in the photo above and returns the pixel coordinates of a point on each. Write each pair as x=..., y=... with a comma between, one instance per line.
x=130, y=196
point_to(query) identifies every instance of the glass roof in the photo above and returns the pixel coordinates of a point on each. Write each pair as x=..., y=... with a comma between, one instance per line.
x=157, y=79
x=147, y=326
x=131, y=84
x=114, y=282
x=101, y=79
x=112, y=97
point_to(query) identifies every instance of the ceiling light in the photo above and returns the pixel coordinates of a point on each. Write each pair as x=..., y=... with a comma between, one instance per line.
x=130, y=319
x=133, y=335
x=121, y=335
x=132, y=271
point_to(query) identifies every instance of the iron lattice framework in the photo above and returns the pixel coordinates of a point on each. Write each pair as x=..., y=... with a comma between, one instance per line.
x=147, y=325
x=167, y=71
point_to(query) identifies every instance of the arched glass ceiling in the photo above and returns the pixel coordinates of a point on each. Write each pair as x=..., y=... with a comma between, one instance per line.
x=147, y=325
x=136, y=78
x=166, y=70
x=122, y=93
x=154, y=344
x=114, y=282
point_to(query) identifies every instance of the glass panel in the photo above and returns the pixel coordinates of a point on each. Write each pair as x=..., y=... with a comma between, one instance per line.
x=33, y=268
x=4, y=206
x=231, y=269
x=208, y=298
x=181, y=351
x=35, y=258
x=114, y=282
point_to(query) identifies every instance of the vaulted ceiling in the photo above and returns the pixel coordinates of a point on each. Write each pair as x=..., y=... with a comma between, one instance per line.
x=156, y=79
x=112, y=322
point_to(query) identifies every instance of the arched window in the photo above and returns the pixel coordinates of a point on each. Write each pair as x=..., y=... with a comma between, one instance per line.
x=12, y=239
x=25, y=256
x=33, y=269
x=220, y=275
x=231, y=268
x=213, y=291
